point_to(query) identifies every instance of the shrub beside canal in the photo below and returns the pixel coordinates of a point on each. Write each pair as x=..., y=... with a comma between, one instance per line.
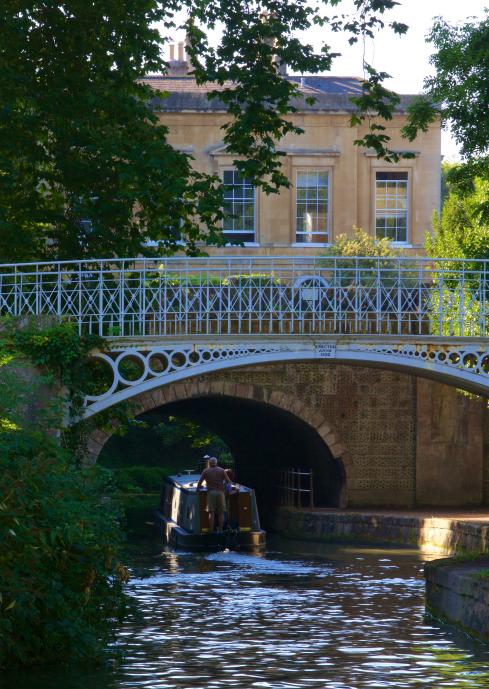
x=61, y=581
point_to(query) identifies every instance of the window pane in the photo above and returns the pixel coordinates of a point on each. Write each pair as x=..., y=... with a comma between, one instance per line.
x=239, y=207
x=391, y=205
x=312, y=206
x=240, y=236
x=304, y=238
x=322, y=223
x=392, y=175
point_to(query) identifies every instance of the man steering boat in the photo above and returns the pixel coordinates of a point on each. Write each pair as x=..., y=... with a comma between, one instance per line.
x=216, y=480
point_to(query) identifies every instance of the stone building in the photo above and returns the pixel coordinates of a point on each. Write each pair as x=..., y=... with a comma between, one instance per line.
x=335, y=185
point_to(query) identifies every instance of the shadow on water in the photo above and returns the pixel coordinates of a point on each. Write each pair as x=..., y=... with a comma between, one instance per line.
x=302, y=615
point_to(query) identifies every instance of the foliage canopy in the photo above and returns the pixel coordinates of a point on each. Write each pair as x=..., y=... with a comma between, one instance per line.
x=459, y=90
x=461, y=230
x=86, y=169
x=157, y=446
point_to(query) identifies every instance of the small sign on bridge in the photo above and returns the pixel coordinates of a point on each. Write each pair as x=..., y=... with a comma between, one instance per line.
x=325, y=350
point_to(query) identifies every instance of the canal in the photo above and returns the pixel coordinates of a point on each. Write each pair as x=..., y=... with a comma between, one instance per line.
x=303, y=615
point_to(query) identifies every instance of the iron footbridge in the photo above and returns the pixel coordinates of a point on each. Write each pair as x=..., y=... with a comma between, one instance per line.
x=173, y=318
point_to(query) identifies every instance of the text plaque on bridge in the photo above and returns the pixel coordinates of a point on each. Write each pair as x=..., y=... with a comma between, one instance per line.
x=325, y=350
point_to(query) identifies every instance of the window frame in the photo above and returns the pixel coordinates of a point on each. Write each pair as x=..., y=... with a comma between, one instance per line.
x=295, y=202
x=255, y=242
x=408, y=172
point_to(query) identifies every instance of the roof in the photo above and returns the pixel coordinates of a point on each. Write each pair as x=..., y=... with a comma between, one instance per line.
x=188, y=481
x=184, y=479
x=332, y=94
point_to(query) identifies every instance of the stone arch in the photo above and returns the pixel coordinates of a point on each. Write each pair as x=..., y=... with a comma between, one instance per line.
x=462, y=365
x=177, y=392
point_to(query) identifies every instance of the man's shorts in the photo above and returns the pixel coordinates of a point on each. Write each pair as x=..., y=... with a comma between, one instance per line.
x=216, y=501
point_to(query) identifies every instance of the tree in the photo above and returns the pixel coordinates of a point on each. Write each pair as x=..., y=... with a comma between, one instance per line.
x=461, y=230
x=459, y=90
x=461, y=62
x=85, y=168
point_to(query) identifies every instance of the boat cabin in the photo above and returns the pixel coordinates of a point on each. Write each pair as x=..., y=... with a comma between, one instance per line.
x=184, y=521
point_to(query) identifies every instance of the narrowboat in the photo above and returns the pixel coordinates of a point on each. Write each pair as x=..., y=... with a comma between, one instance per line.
x=183, y=521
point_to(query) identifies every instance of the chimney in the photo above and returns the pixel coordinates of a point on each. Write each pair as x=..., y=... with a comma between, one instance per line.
x=177, y=67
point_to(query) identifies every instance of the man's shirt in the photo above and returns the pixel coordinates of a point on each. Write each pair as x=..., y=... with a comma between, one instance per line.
x=215, y=478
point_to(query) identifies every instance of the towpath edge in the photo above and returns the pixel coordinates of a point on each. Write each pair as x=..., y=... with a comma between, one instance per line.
x=457, y=588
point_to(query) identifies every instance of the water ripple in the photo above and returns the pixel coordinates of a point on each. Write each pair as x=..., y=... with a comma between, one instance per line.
x=329, y=618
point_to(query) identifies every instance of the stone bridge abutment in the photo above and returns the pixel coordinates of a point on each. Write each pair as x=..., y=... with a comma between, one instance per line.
x=394, y=439
x=265, y=429
x=351, y=358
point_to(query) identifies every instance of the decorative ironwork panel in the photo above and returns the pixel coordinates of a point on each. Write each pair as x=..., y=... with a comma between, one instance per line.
x=290, y=296
x=464, y=362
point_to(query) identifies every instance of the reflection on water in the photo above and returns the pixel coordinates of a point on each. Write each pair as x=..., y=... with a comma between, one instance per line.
x=303, y=615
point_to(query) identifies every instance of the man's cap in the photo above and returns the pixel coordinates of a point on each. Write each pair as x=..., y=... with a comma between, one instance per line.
x=213, y=460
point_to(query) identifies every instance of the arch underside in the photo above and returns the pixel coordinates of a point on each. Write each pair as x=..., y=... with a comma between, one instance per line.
x=285, y=433
x=265, y=439
x=461, y=364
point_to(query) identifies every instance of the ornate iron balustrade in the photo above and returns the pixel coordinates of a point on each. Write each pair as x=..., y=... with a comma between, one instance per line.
x=215, y=296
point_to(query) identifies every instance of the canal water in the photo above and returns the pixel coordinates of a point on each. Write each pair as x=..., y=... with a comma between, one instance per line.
x=302, y=616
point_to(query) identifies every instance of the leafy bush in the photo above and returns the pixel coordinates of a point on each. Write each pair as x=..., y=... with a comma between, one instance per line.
x=460, y=232
x=61, y=582
x=141, y=479
x=376, y=254
x=360, y=244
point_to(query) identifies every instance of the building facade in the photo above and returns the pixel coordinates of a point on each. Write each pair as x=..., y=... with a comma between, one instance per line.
x=335, y=185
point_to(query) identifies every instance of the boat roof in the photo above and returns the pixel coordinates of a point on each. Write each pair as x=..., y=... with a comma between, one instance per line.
x=189, y=481
x=184, y=479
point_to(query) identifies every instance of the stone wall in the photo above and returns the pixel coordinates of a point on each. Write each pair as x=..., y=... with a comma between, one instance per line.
x=457, y=593
x=352, y=174
x=485, y=441
x=449, y=438
x=444, y=534
x=372, y=410
x=411, y=441
x=403, y=440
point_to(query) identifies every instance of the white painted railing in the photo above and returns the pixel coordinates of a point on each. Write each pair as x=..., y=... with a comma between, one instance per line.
x=253, y=295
